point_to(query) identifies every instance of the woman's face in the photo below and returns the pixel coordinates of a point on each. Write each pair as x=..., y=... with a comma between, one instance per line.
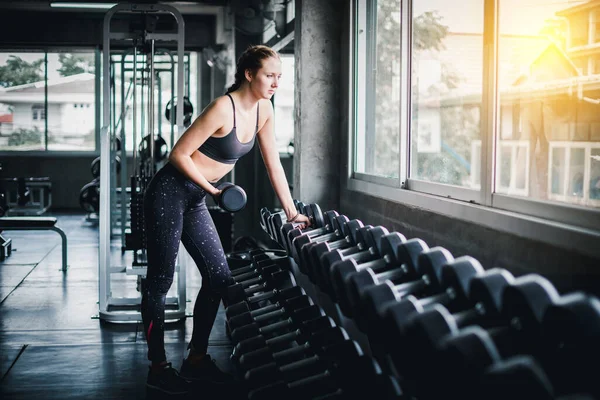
x=266, y=80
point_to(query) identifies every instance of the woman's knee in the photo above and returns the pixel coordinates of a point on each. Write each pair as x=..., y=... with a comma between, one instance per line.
x=219, y=285
x=158, y=285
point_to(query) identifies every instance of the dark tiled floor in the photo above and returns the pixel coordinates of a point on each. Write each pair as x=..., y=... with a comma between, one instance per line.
x=52, y=347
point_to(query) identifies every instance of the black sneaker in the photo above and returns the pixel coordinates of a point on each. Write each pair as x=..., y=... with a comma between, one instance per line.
x=205, y=371
x=167, y=381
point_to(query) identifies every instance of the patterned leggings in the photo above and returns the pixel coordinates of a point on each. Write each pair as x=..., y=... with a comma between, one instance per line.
x=175, y=210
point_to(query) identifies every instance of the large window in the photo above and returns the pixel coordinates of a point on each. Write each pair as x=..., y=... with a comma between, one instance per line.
x=549, y=102
x=22, y=106
x=446, y=89
x=284, y=106
x=47, y=101
x=378, y=119
x=495, y=103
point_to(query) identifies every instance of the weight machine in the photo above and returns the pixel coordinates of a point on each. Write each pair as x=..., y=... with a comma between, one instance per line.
x=141, y=42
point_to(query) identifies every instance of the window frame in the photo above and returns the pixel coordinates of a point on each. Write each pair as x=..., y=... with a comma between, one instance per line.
x=563, y=225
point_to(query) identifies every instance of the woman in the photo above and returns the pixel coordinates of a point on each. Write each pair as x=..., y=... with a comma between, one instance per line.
x=175, y=210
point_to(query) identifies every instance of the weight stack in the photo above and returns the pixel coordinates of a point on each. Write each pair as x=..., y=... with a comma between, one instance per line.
x=224, y=223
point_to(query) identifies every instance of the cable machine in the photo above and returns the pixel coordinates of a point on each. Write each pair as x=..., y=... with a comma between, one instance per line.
x=141, y=42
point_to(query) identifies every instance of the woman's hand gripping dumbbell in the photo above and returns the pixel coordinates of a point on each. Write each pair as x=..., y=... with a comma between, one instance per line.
x=230, y=197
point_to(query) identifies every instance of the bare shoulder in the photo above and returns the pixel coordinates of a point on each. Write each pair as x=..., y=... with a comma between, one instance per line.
x=219, y=107
x=266, y=109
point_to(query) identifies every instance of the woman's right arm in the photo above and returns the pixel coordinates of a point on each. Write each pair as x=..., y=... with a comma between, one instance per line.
x=207, y=123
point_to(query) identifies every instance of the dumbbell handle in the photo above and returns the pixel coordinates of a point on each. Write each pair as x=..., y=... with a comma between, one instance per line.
x=271, y=293
x=250, y=278
x=256, y=280
x=469, y=316
x=281, y=308
x=311, y=365
x=264, y=286
x=443, y=298
x=306, y=329
x=411, y=287
x=299, y=316
x=282, y=357
x=284, y=310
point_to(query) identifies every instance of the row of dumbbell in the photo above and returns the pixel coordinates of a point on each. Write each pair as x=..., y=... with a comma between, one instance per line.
x=272, y=222
x=390, y=286
x=285, y=345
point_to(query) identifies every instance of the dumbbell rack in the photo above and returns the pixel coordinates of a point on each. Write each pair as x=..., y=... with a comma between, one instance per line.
x=126, y=308
x=304, y=355
x=428, y=317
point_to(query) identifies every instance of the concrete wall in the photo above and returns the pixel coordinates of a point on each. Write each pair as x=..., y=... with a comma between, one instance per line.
x=317, y=38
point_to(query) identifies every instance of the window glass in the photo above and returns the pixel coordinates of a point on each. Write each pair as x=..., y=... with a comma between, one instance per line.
x=548, y=100
x=22, y=117
x=378, y=130
x=71, y=101
x=284, y=106
x=446, y=91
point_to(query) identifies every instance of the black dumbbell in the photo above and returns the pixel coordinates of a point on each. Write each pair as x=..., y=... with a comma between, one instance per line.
x=275, y=300
x=515, y=313
x=384, y=249
x=259, y=276
x=356, y=379
x=398, y=264
x=294, y=320
x=345, y=351
x=277, y=281
x=238, y=260
x=258, y=268
x=347, y=238
x=265, y=213
x=367, y=249
x=232, y=198
x=379, y=292
x=298, y=335
x=258, y=262
x=271, y=277
x=275, y=222
x=264, y=318
x=312, y=252
x=316, y=343
x=321, y=223
x=469, y=366
x=392, y=314
x=263, y=300
x=297, y=240
x=270, y=312
x=484, y=306
x=571, y=328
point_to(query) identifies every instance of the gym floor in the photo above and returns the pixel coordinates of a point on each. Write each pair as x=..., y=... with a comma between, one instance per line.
x=51, y=345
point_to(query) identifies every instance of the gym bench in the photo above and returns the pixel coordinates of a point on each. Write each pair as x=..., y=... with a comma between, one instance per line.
x=36, y=224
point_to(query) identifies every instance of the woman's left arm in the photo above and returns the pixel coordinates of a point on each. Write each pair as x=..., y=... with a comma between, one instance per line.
x=270, y=155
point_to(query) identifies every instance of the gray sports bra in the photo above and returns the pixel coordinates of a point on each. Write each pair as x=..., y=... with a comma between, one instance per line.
x=228, y=149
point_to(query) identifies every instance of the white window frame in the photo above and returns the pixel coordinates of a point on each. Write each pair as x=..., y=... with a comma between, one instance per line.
x=563, y=225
